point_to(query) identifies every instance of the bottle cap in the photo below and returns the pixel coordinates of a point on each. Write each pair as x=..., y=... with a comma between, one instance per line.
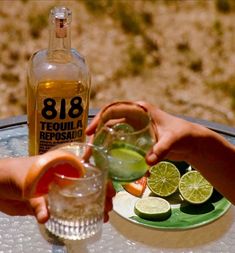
x=61, y=17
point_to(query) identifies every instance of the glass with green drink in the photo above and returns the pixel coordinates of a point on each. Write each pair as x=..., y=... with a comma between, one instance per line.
x=126, y=134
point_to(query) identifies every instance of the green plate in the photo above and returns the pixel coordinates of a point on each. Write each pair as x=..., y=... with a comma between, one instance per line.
x=184, y=215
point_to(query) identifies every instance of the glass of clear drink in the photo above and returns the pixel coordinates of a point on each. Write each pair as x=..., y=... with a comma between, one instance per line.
x=76, y=205
x=126, y=133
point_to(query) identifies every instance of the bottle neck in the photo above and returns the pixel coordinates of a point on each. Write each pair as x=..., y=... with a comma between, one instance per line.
x=59, y=48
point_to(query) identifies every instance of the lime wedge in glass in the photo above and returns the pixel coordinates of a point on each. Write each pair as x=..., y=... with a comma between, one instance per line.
x=164, y=179
x=152, y=208
x=126, y=164
x=194, y=188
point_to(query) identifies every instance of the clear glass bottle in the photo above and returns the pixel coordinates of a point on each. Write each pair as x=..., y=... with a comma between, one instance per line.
x=58, y=89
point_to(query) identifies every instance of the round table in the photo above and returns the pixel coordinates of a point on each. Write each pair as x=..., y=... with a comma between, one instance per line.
x=24, y=235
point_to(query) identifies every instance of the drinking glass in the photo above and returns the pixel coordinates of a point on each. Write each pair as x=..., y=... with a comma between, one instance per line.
x=76, y=205
x=126, y=133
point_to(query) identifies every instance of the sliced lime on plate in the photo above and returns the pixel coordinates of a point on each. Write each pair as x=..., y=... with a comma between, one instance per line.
x=152, y=208
x=194, y=188
x=164, y=179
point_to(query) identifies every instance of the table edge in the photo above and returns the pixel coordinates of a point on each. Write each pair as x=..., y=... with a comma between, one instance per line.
x=217, y=127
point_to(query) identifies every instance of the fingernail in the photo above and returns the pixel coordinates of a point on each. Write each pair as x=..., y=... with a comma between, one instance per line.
x=42, y=216
x=152, y=158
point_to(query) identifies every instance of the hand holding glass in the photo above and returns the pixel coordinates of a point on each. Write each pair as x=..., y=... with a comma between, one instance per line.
x=126, y=133
x=76, y=205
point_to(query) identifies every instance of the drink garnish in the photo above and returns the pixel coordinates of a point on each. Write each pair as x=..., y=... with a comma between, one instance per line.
x=42, y=172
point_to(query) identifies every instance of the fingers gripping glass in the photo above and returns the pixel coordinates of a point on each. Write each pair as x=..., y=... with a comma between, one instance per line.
x=126, y=133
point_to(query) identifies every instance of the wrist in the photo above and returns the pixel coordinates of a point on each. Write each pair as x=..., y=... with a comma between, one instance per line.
x=200, y=137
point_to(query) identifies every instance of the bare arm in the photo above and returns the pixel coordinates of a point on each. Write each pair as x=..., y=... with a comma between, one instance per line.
x=205, y=150
x=214, y=157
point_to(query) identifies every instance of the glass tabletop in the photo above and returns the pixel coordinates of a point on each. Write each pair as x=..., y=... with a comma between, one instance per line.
x=23, y=235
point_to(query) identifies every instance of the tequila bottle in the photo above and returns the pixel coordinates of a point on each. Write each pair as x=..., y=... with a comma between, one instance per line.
x=58, y=89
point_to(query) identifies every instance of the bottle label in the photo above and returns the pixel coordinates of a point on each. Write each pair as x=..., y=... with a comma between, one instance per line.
x=60, y=120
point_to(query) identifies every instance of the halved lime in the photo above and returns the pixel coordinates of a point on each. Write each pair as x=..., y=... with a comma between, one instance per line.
x=194, y=188
x=126, y=164
x=152, y=208
x=164, y=179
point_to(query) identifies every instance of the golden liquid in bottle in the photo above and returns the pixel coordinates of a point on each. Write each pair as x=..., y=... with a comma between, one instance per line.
x=57, y=113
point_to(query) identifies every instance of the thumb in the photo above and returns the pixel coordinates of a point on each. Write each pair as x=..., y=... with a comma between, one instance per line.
x=159, y=151
x=39, y=208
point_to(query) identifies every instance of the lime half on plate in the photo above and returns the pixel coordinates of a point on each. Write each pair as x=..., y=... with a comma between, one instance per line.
x=164, y=179
x=152, y=208
x=194, y=188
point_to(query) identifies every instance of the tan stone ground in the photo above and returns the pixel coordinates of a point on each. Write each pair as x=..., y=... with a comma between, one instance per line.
x=192, y=51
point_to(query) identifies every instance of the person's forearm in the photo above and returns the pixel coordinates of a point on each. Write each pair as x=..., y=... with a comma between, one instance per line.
x=214, y=157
